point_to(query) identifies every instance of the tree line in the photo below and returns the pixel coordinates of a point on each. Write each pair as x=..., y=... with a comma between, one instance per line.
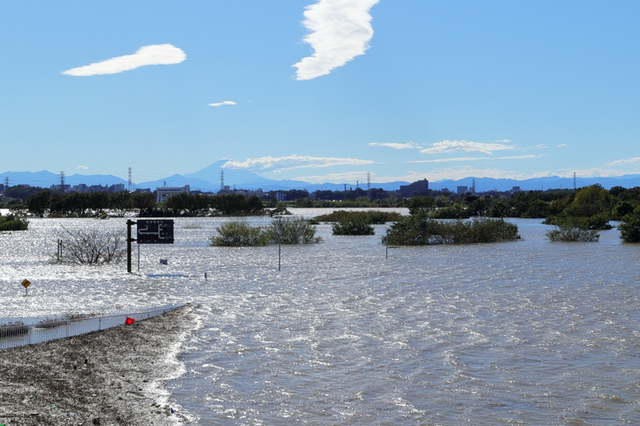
x=96, y=204
x=591, y=207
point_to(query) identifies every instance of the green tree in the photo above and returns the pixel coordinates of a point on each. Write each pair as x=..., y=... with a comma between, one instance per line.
x=38, y=204
x=421, y=203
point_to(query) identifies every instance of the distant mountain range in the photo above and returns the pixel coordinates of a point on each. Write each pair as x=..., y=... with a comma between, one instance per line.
x=209, y=180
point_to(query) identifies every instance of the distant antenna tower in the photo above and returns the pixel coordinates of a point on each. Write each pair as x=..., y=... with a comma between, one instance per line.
x=6, y=182
x=345, y=187
x=574, y=182
x=61, y=181
x=473, y=186
x=357, y=184
x=368, y=181
x=130, y=180
x=221, y=180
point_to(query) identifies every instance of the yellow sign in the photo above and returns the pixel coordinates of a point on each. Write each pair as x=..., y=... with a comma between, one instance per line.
x=26, y=283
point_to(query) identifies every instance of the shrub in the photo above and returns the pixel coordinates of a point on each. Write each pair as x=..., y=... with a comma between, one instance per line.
x=292, y=231
x=370, y=217
x=352, y=227
x=285, y=231
x=13, y=223
x=91, y=247
x=420, y=229
x=630, y=228
x=573, y=234
x=239, y=234
x=456, y=211
x=596, y=222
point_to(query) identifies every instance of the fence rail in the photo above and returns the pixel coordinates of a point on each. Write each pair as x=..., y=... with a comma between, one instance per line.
x=19, y=335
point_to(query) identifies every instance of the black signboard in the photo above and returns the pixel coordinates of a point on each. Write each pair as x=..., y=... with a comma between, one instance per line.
x=155, y=231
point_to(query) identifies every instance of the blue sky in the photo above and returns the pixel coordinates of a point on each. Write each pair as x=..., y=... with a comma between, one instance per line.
x=322, y=90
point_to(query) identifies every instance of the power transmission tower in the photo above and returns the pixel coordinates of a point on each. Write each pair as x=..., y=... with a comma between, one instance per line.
x=368, y=181
x=130, y=181
x=61, y=181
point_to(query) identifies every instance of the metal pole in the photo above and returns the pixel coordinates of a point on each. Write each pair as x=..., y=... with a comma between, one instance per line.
x=129, y=240
x=279, y=240
x=386, y=254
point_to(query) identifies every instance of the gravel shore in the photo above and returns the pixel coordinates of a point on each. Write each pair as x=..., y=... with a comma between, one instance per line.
x=110, y=377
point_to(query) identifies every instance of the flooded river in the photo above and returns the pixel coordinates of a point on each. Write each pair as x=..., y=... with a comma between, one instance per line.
x=524, y=332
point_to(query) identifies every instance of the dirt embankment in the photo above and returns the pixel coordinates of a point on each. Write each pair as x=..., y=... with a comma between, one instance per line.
x=111, y=377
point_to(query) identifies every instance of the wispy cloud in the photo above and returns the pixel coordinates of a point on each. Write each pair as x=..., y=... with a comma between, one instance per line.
x=83, y=167
x=625, y=161
x=461, y=145
x=393, y=145
x=352, y=177
x=294, y=162
x=217, y=104
x=461, y=159
x=160, y=54
x=340, y=31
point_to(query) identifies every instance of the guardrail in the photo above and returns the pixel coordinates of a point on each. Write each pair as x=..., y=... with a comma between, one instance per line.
x=19, y=335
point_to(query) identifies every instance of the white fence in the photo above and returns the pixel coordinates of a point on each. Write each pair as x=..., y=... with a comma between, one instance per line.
x=18, y=335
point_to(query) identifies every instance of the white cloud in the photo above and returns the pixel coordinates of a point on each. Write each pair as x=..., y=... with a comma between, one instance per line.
x=561, y=145
x=409, y=145
x=160, y=54
x=635, y=160
x=459, y=159
x=83, y=167
x=340, y=31
x=337, y=178
x=217, y=104
x=453, y=146
x=294, y=162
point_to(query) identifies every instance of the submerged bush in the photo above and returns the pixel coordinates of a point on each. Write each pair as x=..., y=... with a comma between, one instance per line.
x=285, y=231
x=13, y=223
x=630, y=228
x=292, y=231
x=239, y=233
x=573, y=234
x=370, y=217
x=91, y=247
x=420, y=229
x=352, y=227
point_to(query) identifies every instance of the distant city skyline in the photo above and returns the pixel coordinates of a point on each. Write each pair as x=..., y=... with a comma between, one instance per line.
x=322, y=90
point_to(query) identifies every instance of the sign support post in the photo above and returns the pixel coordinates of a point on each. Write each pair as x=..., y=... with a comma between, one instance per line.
x=129, y=241
x=26, y=284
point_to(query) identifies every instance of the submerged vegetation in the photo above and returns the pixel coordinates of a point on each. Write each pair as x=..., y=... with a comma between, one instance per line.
x=239, y=233
x=630, y=228
x=352, y=227
x=90, y=247
x=573, y=234
x=13, y=223
x=370, y=217
x=420, y=229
